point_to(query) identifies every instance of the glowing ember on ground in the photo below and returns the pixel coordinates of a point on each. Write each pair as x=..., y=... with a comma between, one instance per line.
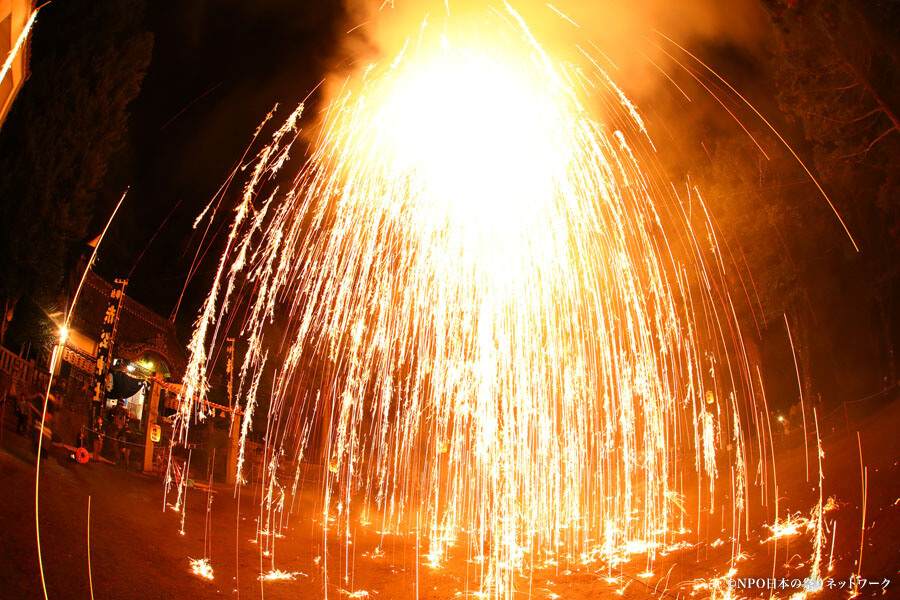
x=790, y=526
x=201, y=568
x=279, y=575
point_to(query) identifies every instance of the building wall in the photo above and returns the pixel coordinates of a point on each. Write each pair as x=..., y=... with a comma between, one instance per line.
x=14, y=15
x=81, y=342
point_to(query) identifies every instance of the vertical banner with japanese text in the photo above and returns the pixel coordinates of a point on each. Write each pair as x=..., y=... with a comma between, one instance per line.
x=107, y=339
x=229, y=372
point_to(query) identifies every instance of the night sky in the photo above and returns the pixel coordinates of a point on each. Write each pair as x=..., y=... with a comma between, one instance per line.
x=218, y=68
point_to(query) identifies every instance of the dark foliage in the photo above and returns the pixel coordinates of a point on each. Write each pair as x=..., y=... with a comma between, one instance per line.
x=88, y=60
x=791, y=266
x=837, y=65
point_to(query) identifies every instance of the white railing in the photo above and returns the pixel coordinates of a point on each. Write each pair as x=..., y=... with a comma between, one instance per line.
x=22, y=371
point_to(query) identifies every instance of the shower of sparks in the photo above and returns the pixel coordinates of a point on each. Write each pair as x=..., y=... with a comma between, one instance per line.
x=498, y=329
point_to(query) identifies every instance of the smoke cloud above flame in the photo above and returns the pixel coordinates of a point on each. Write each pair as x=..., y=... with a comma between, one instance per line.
x=624, y=32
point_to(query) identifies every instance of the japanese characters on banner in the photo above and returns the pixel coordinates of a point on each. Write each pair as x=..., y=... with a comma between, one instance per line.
x=107, y=338
x=229, y=370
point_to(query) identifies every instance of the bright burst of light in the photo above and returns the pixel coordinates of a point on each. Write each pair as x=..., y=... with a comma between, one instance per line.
x=489, y=315
x=201, y=568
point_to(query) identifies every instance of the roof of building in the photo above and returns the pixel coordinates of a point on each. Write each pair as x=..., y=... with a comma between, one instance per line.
x=139, y=330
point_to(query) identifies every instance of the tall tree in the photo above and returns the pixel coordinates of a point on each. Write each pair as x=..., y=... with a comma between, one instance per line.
x=837, y=65
x=89, y=59
x=769, y=223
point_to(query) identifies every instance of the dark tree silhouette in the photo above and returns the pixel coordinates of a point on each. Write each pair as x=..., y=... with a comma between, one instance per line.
x=837, y=65
x=769, y=222
x=89, y=59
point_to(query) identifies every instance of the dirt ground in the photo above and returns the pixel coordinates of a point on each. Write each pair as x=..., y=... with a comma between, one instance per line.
x=137, y=550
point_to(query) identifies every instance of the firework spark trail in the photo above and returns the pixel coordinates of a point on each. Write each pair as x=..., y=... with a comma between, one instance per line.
x=17, y=47
x=55, y=357
x=476, y=277
x=88, y=535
